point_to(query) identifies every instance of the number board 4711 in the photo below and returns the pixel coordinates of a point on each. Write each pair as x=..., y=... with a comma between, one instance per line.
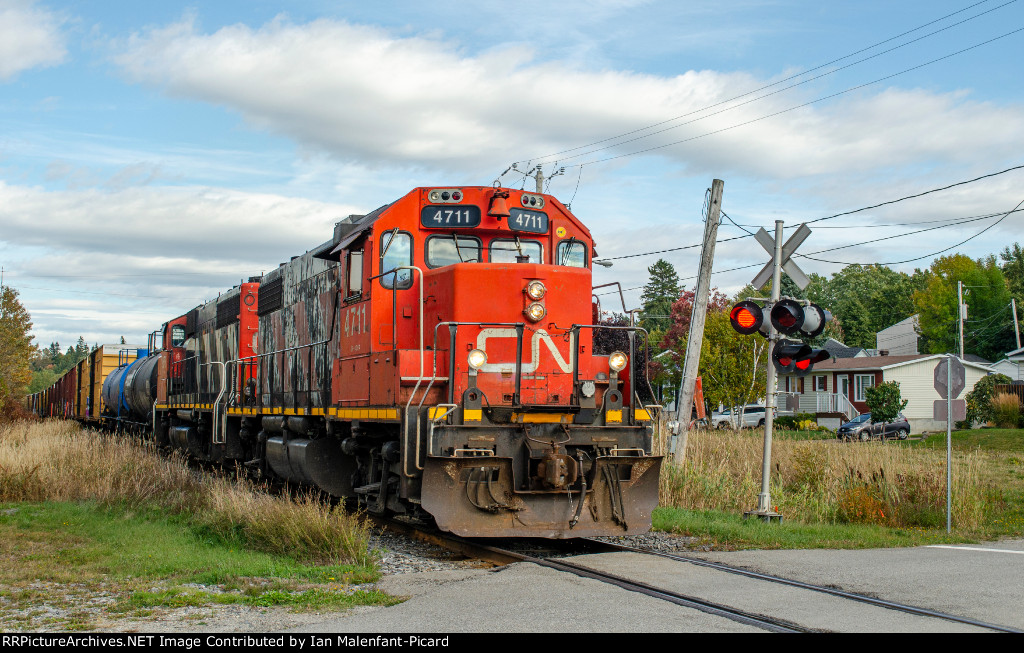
x=450, y=217
x=532, y=221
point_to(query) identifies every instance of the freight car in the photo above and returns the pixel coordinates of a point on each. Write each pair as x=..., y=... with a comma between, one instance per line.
x=434, y=359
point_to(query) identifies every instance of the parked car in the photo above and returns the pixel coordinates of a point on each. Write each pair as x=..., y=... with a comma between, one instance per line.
x=862, y=428
x=753, y=415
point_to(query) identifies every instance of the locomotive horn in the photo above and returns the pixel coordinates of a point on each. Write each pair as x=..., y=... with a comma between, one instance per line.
x=498, y=208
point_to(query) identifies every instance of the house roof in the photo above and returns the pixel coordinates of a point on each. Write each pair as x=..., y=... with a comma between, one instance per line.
x=871, y=363
x=839, y=350
x=868, y=362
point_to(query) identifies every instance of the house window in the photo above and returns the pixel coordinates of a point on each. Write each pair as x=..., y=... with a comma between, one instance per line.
x=862, y=383
x=818, y=383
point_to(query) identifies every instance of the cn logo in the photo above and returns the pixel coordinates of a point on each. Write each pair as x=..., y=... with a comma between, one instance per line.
x=539, y=336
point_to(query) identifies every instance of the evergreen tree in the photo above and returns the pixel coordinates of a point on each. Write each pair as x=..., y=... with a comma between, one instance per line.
x=15, y=349
x=661, y=291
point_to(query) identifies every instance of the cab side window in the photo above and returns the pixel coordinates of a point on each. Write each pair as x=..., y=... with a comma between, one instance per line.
x=396, y=251
x=354, y=268
x=177, y=335
x=572, y=253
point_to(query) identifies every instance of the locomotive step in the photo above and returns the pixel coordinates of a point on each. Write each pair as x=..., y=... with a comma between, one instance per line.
x=372, y=488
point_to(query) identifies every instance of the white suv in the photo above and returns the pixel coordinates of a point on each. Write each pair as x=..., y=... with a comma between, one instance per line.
x=753, y=415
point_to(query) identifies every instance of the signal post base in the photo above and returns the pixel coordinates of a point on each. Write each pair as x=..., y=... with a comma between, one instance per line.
x=764, y=515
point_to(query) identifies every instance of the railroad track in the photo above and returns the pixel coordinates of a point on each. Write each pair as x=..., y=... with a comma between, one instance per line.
x=551, y=554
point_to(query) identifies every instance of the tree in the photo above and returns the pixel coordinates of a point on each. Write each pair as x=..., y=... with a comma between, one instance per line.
x=885, y=403
x=731, y=365
x=661, y=291
x=1013, y=271
x=675, y=339
x=988, y=331
x=15, y=349
x=866, y=299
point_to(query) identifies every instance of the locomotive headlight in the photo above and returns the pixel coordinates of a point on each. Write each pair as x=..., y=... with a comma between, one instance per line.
x=477, y=358
x=535, y=312
x=617, y=361
x=536, y=290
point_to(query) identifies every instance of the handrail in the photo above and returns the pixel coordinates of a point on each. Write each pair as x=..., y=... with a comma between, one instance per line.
x=433, y=377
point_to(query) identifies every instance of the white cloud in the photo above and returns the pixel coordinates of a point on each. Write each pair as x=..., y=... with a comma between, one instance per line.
x=138, y=249
x=362, y=94
x=30, y=37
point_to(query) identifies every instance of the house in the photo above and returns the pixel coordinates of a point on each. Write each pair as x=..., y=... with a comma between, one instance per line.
x=1012, y=366
x=839, y=350
x=835, y=390
x=900, y=339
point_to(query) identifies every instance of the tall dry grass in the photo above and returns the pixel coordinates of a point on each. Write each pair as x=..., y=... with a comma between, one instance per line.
x=1005, y=410
x=59, y=461
x=825, y=482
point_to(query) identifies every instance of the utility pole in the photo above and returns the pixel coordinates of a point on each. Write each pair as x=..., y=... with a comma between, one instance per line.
x=540, y=180
x=691, y=364
x=960, y=309
x=1016, y=327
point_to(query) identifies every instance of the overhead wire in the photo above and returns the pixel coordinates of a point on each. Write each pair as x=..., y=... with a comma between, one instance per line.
x=790, y=78
x=918, y=258
x=799, y=106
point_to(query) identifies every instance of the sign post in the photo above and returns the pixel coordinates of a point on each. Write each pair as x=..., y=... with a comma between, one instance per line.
x=950, y=379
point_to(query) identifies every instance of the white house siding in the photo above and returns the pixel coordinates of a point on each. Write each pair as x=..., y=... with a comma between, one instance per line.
x=917, y=385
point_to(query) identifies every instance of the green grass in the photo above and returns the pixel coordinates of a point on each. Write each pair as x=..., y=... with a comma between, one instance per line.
x=800, y=483
x=724, y=531
x=992, y=440
x=145, y=559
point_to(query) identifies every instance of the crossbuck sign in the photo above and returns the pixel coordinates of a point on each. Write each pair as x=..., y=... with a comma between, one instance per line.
x=791, y=268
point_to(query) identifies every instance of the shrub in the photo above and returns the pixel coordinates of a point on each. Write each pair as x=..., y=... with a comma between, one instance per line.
x=796, y=422
x=979, y=400
x=1005, y=410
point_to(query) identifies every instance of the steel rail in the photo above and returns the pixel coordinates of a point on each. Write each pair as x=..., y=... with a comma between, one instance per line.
x=852, y=596
x=500, y=557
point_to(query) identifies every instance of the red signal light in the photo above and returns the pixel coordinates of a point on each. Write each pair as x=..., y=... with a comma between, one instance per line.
x=743, y=317
x=746, y=317
x=787, y=316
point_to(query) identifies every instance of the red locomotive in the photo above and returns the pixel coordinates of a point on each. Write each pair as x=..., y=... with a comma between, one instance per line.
x=435, y=357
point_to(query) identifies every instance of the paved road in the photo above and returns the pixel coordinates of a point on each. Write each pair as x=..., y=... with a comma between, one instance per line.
x=984, y=582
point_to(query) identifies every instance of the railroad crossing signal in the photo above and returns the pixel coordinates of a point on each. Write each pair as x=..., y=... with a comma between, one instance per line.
x=791, y=268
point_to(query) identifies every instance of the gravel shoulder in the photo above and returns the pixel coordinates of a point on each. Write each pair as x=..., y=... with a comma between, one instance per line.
x=408, y=567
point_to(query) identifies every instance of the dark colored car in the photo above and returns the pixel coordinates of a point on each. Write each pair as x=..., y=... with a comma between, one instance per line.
x=862, y=428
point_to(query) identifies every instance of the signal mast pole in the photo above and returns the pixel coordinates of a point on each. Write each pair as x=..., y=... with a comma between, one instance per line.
x=764, y=500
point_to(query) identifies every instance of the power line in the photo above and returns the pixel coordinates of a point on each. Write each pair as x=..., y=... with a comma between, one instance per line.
x=922, y=194
x=910, y=260
x=782, y=81
x=800, y=106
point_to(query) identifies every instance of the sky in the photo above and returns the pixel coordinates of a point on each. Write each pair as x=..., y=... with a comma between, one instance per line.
x=153, y=155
